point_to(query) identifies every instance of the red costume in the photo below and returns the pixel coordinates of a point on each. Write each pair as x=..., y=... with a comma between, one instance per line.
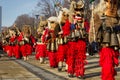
x=62, y=48
x=26, y=48
x=52, y=55
x=108, y=60
x=66, y=28
x=40, y=51
x=87, y=26
x=80, y=58
x=41, y=46
x=77, y=49
x=71, y=56
x=22, y=46
x=8, y=50
x=14, y=47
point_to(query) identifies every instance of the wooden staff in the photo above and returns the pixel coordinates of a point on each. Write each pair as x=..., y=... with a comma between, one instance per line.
x=93, y=26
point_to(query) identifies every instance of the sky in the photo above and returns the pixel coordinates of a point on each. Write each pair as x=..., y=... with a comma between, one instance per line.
x=13, y=8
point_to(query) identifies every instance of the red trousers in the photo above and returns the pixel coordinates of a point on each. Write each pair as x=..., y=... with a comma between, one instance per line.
x=40, y=50
x=108, y=60
x=62, y=52
x=12, y=51
x=8, y=50
x=71, y=57
x=52, y=59
x=108, y=72
x=80, y=58
x=26, y=49
x=15, y=51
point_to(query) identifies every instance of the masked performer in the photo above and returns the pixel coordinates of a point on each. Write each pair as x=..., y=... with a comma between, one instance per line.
x=41, y=42
x=77, y=42
x=52, y=45
x=26, y=42
x=107, y=35
x=62, y=40
x=109, y=53
x=14, y=42
x=5, y=42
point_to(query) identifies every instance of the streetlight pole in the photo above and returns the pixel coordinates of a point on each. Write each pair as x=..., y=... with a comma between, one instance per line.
x=37, y=17
x=36, y=23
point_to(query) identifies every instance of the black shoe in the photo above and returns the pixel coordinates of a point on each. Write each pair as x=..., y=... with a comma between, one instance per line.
x=70, y=75
x=65, y=70
x=59, y=69
x=81, y=77
x=53, y=67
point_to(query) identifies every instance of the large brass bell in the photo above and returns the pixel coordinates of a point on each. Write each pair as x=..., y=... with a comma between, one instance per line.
x=48, y=46
x=65, y=39
x=72, y=34
x=60, y=40
x=81, y=32
x=114, y=40
x=99, y=36
x=106, y=37
x=84, y=32
x=21, y=43
x=26, y=39
x=56, y=44
x=118, y=36
x=78, y=34
x=53, y=46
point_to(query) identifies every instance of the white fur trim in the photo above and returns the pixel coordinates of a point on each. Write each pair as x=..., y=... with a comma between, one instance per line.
x=81, y=3
x=53, y=18
x=49, y=25
x=65, y=10
x=60, y=16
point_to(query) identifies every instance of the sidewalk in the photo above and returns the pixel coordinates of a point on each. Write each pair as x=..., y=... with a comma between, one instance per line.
x=10, y=70
x=93, y=70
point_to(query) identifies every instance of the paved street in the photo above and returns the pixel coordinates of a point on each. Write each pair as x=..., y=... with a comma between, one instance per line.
x=12, y=69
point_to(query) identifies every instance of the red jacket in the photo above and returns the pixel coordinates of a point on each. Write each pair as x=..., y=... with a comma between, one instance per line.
x=66, y=28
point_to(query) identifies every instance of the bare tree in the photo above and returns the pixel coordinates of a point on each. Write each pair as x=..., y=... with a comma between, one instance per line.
x=24, y=19
x=47, y=8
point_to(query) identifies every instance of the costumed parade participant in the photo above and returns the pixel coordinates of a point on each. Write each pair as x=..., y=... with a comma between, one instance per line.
x=27, y=41
x=72, y=42
x=52, y=45
x=41, y=42
x=107, y=36
x=109, y=55
x=62, y=40
x=77, y=42
x=14, y=42
x=5, y=42
x=80, y=57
